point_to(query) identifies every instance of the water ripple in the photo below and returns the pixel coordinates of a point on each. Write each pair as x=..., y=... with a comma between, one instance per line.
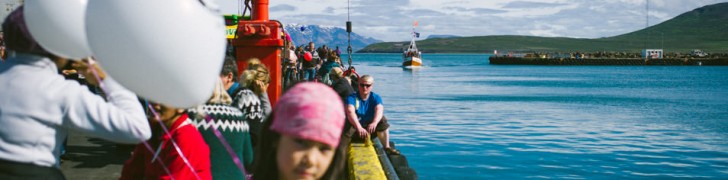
x=461, y=119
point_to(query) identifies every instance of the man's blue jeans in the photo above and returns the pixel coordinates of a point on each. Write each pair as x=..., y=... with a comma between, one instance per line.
x=309, y=74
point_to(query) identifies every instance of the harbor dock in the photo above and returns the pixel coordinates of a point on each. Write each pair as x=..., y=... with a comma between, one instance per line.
x=500, y=60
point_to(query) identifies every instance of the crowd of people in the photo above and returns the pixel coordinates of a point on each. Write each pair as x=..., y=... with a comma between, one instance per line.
x=309, y=63
x=236, y=134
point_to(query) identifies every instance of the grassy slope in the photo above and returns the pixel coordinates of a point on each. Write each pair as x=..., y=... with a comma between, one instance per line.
x=704, y=28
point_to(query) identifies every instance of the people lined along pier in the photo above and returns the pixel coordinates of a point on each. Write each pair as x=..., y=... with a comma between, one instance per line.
x=235, y=134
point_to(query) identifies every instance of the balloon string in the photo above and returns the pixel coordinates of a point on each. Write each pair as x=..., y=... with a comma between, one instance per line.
x=225, y=143
x=176, y=147
x=136, y=130
x=166, y=170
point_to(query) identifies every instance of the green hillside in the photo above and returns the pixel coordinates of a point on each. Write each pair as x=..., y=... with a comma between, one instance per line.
x=704, y=28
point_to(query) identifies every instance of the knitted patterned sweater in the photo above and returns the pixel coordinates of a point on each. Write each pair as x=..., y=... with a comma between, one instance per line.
x=232, y=125
x=252, y=107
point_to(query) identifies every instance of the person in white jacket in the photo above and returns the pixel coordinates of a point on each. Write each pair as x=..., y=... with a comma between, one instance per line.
x=38, y=108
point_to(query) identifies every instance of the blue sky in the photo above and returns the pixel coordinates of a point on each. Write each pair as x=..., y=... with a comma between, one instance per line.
x=391, y=20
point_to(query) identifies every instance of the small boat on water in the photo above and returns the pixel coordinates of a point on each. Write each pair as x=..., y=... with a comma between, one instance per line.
x=412, y=58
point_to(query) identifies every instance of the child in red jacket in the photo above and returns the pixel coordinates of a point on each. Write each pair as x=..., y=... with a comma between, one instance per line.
x=188, y=159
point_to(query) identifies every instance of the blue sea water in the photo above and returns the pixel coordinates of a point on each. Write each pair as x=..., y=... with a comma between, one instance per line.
x=461, y=118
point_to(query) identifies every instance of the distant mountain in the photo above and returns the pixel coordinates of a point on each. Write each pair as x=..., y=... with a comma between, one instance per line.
x=704, y=28
x=329, y=36
x=435, y=36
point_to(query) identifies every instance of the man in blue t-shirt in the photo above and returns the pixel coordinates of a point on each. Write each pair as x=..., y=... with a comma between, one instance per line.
x=365, y=111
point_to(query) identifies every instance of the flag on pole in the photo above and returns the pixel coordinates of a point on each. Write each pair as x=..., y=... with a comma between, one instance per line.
x=417, y=35
x=416, y=23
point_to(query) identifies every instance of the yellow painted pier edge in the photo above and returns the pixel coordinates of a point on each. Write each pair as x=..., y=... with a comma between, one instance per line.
x=364, y=162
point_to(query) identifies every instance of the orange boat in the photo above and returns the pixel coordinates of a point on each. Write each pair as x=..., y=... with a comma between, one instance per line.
x=412, y=58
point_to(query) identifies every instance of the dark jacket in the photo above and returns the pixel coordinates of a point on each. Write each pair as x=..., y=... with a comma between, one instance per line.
x=343, y=88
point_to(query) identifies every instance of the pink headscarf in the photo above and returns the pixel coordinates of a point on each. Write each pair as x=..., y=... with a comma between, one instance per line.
x=288, y=37
x=311, y=111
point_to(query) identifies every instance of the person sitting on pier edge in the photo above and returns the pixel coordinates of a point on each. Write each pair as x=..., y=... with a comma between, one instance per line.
x=365, y=112
x=39, y=108
x=299, y=140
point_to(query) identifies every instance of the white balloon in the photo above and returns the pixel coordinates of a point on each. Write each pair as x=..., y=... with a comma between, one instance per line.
x=59, y=26
x=168, y=51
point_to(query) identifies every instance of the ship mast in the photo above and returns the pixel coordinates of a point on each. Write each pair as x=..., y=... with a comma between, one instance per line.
x=413, y=46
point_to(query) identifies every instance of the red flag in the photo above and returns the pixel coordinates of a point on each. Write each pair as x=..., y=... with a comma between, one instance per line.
x=416, y=23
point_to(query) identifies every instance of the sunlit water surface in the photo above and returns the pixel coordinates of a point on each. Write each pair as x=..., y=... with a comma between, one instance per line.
x=461, y=118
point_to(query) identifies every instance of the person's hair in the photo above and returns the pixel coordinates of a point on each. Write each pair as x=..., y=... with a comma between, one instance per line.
x=17, y=35
x=366, y=78
x=265, y=165
x=230, y=66
x=336, y=72
x=219, y=95
x=332, y=53
x=253, y=73
x=299, y=49
x=253, y=61
x=333, y=57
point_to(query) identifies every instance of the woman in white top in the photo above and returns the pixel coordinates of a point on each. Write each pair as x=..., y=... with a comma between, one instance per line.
x=38, y=108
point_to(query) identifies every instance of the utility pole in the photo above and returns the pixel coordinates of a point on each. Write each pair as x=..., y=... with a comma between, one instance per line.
x=647, y=31
x=662, y=40
x=647, y=21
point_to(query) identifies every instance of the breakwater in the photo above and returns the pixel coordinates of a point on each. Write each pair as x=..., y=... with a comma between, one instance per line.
x=722, y=61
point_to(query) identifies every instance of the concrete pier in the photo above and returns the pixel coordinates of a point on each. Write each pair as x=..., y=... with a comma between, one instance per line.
x=610, y=61
x=92, y=158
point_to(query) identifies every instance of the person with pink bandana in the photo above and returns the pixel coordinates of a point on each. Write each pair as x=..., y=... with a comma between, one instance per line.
x=300, y=138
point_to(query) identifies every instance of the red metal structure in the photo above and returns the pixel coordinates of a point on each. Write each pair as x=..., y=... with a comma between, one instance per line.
x=261, y=38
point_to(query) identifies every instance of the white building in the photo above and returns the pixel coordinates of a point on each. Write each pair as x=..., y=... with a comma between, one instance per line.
x=652, y=53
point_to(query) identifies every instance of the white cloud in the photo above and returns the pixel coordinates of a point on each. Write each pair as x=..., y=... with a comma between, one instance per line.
x=547, y=30
x=391, y=20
